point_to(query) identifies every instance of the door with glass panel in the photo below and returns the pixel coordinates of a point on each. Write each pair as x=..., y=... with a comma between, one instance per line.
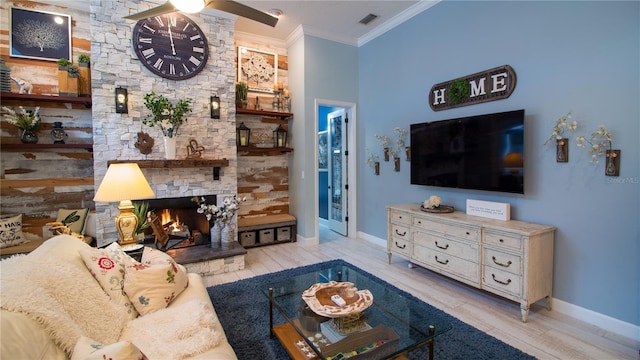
x=337, y=136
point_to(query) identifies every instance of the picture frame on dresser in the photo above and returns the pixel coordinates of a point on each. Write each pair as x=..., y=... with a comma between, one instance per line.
x=40, y=35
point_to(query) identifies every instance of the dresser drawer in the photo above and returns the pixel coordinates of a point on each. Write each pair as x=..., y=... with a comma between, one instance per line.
x=466, y=251
x=400, y=246
x=471, y=234
x=502, y=261
x=463, y=268
x=400, y=231
x=509, y=241
x=400, y=218
x=501, y=280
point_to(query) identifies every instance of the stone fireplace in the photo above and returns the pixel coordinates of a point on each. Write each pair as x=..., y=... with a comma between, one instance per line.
x=115, y=134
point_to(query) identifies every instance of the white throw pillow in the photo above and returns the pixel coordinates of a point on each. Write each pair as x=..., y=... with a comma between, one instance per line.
x=153, y=283
x=11, y=231
x=107, y=266
x=87, y=349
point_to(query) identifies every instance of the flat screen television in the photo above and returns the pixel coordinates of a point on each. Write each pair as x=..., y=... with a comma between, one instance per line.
x=483, y=152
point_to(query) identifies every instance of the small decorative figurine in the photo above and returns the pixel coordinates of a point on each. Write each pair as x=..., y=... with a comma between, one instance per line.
x=58, y=134
x=144, y=143
x=194, y=151
x=24, y=86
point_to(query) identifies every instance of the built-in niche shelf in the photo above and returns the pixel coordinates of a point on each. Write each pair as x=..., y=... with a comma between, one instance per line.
x=216, y=164
x=20, y=147
x=37, y=100
x=278, y=114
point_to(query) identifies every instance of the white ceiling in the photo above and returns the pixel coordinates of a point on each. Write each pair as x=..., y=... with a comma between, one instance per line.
x=336, y=20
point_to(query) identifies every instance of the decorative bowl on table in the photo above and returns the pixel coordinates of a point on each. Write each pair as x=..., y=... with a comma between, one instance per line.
x=318, y=298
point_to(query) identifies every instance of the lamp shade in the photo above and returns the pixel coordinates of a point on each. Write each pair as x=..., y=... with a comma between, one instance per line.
x=123, y=182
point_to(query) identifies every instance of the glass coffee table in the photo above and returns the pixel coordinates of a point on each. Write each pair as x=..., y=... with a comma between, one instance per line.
x=388, y=329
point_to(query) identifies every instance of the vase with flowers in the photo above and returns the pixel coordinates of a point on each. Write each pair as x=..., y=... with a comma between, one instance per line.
x=601, y=143
x=167, y=117
x=557, y=134
x=221, y=219
x=26, y=120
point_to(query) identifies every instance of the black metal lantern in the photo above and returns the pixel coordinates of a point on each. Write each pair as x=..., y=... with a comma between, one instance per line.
x=122, y=99
x=215, y=107
x=280, y=137
x=243, y=134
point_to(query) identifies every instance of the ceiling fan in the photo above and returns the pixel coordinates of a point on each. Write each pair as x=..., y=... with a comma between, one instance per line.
x=192, y=6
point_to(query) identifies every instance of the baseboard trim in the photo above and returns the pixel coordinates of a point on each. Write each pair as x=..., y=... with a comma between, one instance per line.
x=602, y=321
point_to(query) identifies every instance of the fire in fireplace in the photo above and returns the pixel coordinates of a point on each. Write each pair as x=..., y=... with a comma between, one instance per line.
x=181, y=221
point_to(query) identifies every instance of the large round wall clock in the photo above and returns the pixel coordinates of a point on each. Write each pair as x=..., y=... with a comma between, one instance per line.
x=171, y=46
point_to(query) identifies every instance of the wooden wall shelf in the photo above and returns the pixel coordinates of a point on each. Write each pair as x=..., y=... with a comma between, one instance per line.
x=184, y=163
x=252, y=150
x=281, y=115
x=173, y=164
x=20, y=147
x=37, y=99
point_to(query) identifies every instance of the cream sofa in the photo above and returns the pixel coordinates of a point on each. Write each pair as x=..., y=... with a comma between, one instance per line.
x=28, y=334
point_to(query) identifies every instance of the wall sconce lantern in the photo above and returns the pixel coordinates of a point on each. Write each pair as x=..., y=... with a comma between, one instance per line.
x=122, y=101
x=280, y=137
x=215, y=107
x=243, y=134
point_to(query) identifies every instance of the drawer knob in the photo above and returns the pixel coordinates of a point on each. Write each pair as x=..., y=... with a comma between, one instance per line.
x=500, y=282
x=468, y=233
x=501, y=240
x=501, y=264
x=442, y=247
x=400, y=247
x=442, y=262
x=398, y=233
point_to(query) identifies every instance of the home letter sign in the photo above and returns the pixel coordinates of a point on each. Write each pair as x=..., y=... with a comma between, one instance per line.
x=494, y=84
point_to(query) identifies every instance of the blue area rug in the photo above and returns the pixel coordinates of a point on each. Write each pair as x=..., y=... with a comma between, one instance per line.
x=244, y=313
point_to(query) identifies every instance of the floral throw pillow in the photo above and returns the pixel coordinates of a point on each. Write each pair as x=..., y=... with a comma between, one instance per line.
x=11, y=231
x=107, y=266
x=153, y=283
x=87, y=349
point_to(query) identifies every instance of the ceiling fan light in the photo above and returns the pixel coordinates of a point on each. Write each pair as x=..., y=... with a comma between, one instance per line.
x=188, y=6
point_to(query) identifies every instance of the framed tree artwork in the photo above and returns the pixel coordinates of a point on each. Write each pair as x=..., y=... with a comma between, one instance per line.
x=259, y=69
x=39, y=35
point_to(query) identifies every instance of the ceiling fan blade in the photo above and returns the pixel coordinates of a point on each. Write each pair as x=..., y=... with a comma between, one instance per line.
x=158, y=10
x=245, y=11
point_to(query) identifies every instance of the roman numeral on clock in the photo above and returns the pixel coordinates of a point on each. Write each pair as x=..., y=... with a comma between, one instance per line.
x=147, y=53
x=172, y=69
x=158, y=64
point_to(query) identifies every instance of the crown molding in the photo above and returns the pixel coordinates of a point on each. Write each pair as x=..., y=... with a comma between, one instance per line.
x=407, y=14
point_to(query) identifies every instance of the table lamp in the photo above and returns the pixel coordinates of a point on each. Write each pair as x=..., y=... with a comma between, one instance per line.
x=124, y=182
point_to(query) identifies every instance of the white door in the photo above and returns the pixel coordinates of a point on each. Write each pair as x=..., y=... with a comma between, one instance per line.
x=337, y=136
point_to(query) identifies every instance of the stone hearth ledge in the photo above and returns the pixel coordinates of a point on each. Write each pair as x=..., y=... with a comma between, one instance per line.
x=207, y=261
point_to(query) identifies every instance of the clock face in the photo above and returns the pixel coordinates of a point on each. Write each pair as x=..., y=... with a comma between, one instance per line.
x=171, y=46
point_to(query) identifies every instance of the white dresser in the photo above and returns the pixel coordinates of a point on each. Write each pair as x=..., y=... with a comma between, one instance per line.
x=512, y=259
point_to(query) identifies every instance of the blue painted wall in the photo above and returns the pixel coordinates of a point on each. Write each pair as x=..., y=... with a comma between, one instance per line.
x=579, y=56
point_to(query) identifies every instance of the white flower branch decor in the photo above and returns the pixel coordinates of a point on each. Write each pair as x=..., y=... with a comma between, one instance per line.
x=557, y=134
x=384, y=142
x=373, y=160
x=601, y=143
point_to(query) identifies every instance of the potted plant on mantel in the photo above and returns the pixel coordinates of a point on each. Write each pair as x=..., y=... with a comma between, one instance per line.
x=168, y=117
x=63, y=76
x=84, y=62
x=242, y=90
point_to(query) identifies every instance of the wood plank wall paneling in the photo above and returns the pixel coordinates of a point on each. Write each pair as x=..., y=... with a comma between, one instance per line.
x=38, y=182
x=263, y=178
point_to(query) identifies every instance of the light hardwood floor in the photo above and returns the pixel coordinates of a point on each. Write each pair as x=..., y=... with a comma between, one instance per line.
x=546, y=335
